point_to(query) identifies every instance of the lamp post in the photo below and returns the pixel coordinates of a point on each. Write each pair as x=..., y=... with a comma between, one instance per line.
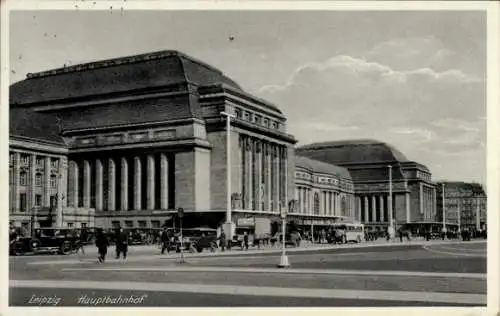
x=444, y=207
x=180, y=213
x=391, y=221
x=228, y=227
x=284, y=259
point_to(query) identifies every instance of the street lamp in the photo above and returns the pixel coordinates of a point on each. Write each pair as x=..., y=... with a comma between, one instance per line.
x=284, y=259
x=444, y=207
x=180, y=213
x=390, y=211
x=228, y=227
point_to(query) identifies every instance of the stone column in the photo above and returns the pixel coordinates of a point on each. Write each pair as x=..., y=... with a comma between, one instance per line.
x=32, y=183
x=304, y=202
x=285, y=176
x=276, y=179
x=73, y=184
x=407, y=204
x=17, y=172
x=99, y=182
x=421, y=198
x=337, y=203
x=269, y=178
x=382, y=209
x=137, y=183
x=62, y=181
x=48, y=188
x=259, y=186
x=86, y=184
x=241, y=159
x=367, y=218
x=249, y=165
x=164, y=181
x=124, y=184
x=374, y=208
x=151, y=183
x=111, y=185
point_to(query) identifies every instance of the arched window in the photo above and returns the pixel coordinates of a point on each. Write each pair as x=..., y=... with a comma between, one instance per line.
x=316, y=203
x=23, y=178
x=343, y=206
x=53, y=181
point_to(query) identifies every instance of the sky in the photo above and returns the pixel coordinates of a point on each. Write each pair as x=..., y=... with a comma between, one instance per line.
x=414, y=79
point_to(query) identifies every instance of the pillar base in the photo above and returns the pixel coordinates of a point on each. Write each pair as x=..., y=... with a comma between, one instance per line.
x=283, y=262
x=229, y=229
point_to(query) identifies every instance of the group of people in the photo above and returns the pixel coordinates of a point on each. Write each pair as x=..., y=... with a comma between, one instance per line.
x=102, y=243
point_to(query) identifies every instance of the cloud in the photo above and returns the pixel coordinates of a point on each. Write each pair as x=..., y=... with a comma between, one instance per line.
x=427, y=135
x=428, y=113
x=455, y=124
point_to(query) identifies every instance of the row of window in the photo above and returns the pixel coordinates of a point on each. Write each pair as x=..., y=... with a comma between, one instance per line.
x=257, y=119
x=23, y=179
x=23, y=201
x=130, y=224
x=327, y=180
x=423, y=175
x=39, y=161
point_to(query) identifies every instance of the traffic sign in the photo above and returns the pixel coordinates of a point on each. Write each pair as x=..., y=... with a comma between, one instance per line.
x=180, y=212
x=283, y=212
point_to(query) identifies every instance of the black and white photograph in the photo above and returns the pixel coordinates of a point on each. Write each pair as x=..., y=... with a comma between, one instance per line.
x=249, y=157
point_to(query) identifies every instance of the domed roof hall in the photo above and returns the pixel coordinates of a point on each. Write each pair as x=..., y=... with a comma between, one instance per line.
x=371, y=163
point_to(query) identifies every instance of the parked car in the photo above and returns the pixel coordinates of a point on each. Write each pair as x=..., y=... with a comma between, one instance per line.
x=197, y=239
x=46, y=240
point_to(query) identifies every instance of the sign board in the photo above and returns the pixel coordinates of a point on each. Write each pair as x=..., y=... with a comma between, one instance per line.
x=245, y=222
x=180, y=212
x=283, y=212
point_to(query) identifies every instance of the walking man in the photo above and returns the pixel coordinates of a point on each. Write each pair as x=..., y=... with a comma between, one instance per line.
x=165, y=240
x=222, y=241
x=121, y=244
x=245, y=241
x=102, y=243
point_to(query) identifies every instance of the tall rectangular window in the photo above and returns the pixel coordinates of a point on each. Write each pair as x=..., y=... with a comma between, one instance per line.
x=38, y=179
x=23, y=178
x=38, y=200
x=23, y=202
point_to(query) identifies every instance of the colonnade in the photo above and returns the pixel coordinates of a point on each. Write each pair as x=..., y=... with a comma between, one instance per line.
x=120, y=183
x=264, y=174
x=373, y=208
x=329, y=203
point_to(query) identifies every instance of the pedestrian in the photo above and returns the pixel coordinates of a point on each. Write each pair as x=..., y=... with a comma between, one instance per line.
x=245, y=241
x=81, y=239
x=222, y=241
x=121, y=243
x=165, y=240
x=102, y=243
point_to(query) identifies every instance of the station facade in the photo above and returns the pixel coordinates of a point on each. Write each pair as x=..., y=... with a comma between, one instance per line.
x=128, y=141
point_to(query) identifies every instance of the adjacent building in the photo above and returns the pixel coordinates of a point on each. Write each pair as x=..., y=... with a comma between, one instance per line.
x=464, y=204
x=373, y=166
x=324, y=193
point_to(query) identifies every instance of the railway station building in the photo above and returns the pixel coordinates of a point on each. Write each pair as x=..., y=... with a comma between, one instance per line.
x=128, y=141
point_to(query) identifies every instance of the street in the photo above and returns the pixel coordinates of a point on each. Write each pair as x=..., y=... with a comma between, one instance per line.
x=413, y=274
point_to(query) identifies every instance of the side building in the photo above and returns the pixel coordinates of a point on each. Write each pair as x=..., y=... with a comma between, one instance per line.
x=324, y=194
x=464, y=203
x=373, y=166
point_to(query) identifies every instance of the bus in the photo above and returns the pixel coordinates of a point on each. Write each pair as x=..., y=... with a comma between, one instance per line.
x=354, y=232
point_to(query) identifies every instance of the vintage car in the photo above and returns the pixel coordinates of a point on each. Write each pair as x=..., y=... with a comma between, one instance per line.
x=46, y=240
x=197, y=239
